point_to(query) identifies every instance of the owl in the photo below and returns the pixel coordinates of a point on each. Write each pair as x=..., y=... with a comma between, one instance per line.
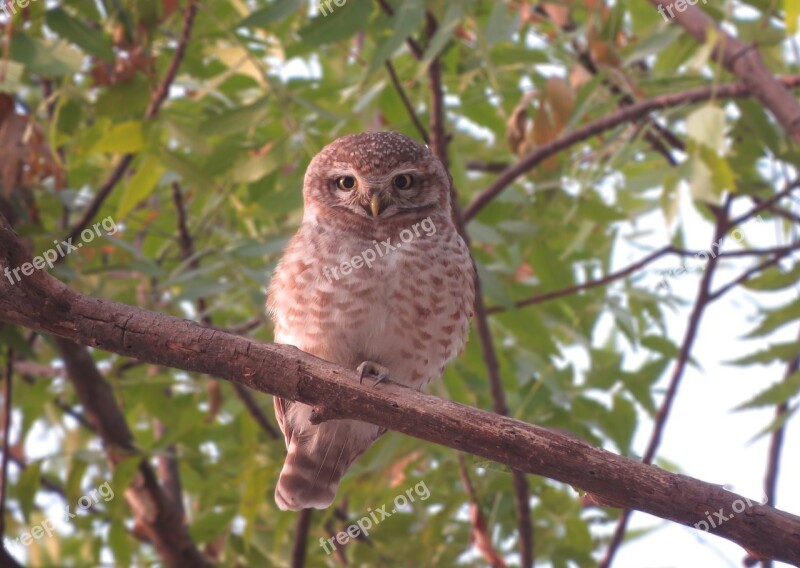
x=376, y=279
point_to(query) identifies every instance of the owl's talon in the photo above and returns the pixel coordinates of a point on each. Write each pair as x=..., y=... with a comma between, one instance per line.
x=380, y=372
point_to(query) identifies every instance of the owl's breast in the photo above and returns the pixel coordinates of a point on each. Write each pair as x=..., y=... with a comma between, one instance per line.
x=402, y=303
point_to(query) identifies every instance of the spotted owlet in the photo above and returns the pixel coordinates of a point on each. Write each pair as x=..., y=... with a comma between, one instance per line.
x=377, y=279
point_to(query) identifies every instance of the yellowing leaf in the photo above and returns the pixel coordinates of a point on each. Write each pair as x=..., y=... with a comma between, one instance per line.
x=792, y=13
x=141, y=185
x=706, y=126
x=122, y=138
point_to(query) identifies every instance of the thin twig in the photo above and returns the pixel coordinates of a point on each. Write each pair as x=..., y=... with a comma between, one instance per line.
x=301, y=538
x=188, y=252
x=702, y=301
x=765, y=205
x=625, y=99
x=771, y=477
x=439, y=144
x=7, y=409
x=743, y=60
x=774, y=456
x=747, y=275
x=481, y=537
x=622, y=273
x=256, y=412
x=780, y=212
x=416, y=50
x=401, y=92
x=622, y=116
x=157, y=99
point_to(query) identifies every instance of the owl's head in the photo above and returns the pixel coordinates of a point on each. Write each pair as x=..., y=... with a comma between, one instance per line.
x=376, y=177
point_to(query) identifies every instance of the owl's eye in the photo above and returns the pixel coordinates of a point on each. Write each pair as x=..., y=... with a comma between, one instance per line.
x=403, y=181
x=346, y=183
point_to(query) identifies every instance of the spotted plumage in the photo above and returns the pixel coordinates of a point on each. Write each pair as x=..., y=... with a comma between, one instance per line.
x=405, y=305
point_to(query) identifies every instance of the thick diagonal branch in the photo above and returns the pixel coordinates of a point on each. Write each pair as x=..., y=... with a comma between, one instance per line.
x=43, y=303
x=623, y=116
x=157, y=517
x=742, y=60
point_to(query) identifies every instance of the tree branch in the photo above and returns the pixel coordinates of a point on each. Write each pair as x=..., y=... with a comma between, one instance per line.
x=401, y=92
x=741, y=60
x=187, y=252
x=301, y=528
x=622, y=273
x=7, y=409
x=157, y=99
x=622, y=116
x=439, y=145
x=702, y=301
x=157, y=517
x=42, y=303
x=774, y=456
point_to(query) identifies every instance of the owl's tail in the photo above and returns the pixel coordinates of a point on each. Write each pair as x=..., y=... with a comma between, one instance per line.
x=315, y=464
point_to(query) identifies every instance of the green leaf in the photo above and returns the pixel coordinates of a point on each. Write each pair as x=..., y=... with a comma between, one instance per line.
x=123, y=138
x=45, y=57
x=236, y=120
x=776, y=394
x=622, y=424
x=340, y=24
x=444, y=33
x=661, y=345
x=124, y=100
x=502, y=24
x=776, y=318
x=121, y=544
x=670, y=198
x=27, y=487
x=778, y=352
x=141, y=185
x=407, y=18
x=774, y=278
x=92, y=40
x=273, y=13
x=72, y=488
x=210, y=524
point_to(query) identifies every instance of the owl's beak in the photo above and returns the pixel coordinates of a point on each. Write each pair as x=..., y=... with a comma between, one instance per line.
x=376, y=205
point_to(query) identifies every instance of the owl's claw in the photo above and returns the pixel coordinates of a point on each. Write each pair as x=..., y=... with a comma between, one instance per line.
x=380, y=372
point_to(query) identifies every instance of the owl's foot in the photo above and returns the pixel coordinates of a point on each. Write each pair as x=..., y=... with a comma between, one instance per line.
x=380, y=372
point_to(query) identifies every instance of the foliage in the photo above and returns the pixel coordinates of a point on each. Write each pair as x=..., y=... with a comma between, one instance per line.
x=261, y=87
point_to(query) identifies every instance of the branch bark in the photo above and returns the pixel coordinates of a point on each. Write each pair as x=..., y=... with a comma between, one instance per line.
x=157, y=99
x=690, y=335
x=622, y=116
x=439, y=145
x=158, y=518
x=742, y=60
x=42, y=303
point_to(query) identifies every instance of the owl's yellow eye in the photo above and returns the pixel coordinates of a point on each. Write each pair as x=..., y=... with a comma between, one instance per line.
x=346, y=183
x=403, y=181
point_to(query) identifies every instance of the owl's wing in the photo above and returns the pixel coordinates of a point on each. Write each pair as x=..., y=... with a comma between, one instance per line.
x=281, y=407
